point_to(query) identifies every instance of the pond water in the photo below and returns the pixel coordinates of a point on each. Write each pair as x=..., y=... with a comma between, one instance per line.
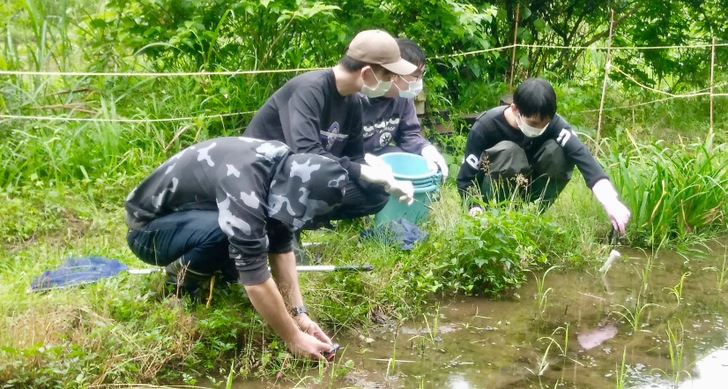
x=648, y=323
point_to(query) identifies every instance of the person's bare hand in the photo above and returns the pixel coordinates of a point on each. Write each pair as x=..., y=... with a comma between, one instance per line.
x=310, y=327
x=307, y=346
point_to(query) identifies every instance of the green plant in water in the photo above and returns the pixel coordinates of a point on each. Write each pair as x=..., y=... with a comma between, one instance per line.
x=622, y=371
x=392, y=363
x=675, y=341
x=677, y=350
x=646, y=272
x=634, y=315
x=541, y=293
x=677, y=290
x=721, y=276
x=432, y=331
x=544, y=360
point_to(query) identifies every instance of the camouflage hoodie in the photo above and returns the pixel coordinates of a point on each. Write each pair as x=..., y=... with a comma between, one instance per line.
x=253, y=185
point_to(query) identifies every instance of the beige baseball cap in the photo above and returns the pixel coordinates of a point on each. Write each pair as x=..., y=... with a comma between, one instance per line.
x=378, y=47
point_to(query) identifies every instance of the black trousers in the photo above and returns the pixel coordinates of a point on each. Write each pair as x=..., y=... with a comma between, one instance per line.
x=508, y=171
x=195, y=237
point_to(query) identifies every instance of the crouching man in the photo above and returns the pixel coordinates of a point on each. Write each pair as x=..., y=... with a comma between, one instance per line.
x=231, y=205
x=530, y=139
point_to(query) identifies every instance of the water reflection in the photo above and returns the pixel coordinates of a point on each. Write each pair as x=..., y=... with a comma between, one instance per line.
x=457, y=381
x=511, y=343
x=710, y=372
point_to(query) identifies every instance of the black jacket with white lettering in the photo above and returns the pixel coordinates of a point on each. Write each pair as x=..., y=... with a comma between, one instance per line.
x=491, y=127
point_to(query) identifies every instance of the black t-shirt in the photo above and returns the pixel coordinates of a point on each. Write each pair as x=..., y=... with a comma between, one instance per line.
x=309, y=115
x=491, y=127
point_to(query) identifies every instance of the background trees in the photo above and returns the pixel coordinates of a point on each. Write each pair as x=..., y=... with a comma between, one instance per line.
x=469, y=43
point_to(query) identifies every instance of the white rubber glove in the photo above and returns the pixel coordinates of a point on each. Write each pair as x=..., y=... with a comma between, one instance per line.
x=404, y=191
x=475, y=211
x=378, y=172
x=607, y=196
x=431, y=154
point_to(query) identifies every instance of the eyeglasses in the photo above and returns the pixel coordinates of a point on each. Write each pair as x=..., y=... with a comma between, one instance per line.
x=421, y=76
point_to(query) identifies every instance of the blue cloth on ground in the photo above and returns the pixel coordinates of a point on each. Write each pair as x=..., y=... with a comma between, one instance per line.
x=402, y=232
x=75, y=271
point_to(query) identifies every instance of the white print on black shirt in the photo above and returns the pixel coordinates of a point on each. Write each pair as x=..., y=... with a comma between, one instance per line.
x=331, y=137
x=564, y=136
x=385, y=138
x=473, y=161
x=385, y=125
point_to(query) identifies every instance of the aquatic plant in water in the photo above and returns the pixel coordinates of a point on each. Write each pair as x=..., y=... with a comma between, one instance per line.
x=541, y=293
x=634, y=315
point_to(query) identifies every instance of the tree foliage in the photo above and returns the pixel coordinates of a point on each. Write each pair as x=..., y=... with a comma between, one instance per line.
x=556, y=37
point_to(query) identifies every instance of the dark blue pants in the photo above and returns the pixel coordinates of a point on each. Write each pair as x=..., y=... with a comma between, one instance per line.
x=194, y=235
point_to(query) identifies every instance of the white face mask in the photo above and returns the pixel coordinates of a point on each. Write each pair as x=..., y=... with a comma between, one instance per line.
x=527, y=130
x=379, y=90
x=414, y=89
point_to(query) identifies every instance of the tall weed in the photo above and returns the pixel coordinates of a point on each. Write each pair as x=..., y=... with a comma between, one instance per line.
x=675, y=192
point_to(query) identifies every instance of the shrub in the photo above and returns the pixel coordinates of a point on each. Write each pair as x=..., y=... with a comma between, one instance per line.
x=493, y=252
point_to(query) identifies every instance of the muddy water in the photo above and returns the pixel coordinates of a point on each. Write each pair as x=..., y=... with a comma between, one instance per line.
x=585, y=328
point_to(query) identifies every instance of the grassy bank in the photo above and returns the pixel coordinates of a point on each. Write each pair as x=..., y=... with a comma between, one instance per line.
x=124, y=329
x=64, y=176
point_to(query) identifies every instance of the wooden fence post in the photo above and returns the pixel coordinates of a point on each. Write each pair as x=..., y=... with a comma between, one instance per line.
x=712, y=80
x=607, y=65
x=513, y=55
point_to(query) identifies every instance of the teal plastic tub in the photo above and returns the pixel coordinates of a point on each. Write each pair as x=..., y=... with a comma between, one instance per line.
x=411, y=167
x=419, y=210
x=425, y=179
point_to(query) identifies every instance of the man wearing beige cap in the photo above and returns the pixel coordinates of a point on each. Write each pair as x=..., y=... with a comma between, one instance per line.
x=318, y=112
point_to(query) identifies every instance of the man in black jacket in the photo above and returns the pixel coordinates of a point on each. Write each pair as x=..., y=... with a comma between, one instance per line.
x=527, y=141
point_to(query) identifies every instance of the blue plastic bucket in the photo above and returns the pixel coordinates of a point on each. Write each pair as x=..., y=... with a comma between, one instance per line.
x=411, y=167
x=424, y=178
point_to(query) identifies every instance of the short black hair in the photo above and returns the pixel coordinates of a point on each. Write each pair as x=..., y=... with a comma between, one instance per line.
x=351, y=65
x=535, y=96
x=411, y=52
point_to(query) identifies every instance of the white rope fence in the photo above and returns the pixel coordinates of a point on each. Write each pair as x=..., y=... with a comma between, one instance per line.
x=151, y=74
x=231, y=73
x=609, y=66
x=122, y=120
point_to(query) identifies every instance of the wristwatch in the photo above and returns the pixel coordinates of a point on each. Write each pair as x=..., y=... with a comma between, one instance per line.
x=295, y=311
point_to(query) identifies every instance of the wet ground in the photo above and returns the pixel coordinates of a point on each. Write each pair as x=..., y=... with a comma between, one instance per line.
x=651, y=322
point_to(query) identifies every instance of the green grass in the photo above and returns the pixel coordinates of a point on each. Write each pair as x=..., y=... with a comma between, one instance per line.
x=62, y=186
x=676, y=192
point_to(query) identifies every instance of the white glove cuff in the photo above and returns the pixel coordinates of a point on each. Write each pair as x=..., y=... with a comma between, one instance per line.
x=371, y=175
x=604, y=191
x=429, y=152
